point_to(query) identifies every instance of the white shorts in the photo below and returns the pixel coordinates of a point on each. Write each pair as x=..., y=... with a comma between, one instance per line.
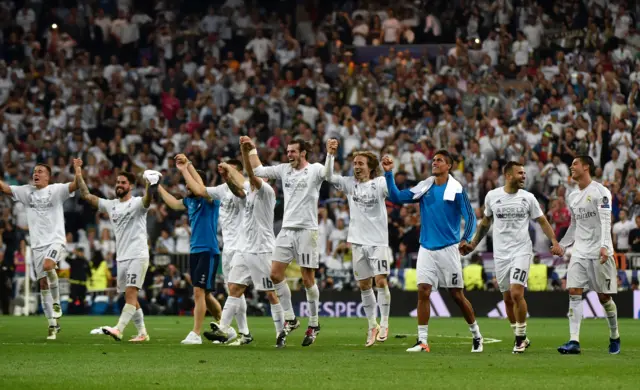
x=440, y=268
x=131, y=273
x=298, y=244
x=227, y=259
x=55, y=252
x=252, y=267
x=369, y=261
x=512, y=271
x=601, y=278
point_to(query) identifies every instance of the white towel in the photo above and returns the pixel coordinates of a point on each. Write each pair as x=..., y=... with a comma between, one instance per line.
x=153, y=177
x=453, y=187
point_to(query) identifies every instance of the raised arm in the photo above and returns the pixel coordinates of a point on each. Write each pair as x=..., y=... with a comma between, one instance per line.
x=190, y=167
x=253, y=179
x=332, y=148
x=73, y=186
x=84, y=190
x=197, y=188
x=170, y=200
x=395, y=195
x=254, y=161
x=233, y=178
x=148, y=195
x=5, y=189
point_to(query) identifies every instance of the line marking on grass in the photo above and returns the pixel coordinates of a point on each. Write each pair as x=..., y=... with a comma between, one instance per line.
x=487, y=340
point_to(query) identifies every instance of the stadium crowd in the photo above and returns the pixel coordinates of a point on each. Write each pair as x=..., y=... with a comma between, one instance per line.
x=127, y=85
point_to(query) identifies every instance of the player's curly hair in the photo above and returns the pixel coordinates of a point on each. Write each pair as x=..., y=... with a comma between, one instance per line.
x=372, y=162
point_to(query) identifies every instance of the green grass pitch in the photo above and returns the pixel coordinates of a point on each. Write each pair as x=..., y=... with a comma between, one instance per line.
x=338, y=359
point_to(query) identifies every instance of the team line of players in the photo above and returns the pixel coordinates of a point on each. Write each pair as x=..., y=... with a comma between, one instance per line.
x=253, y=255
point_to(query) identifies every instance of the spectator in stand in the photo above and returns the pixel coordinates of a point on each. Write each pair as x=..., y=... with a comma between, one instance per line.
x=634, y=236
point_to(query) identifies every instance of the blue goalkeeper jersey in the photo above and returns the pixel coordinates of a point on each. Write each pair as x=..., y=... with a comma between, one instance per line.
x=440, y=219
x=203, y=218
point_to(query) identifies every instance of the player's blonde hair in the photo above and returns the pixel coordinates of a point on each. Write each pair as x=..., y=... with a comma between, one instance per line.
x=372, y=162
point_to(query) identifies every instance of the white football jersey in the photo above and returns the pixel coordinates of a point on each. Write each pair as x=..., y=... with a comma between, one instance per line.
x=257, y=221
x=230, y=218
x=45, y=213
x=367, y=209
x=590, y=227
x=129, y=220
x=511, y=214
x=301, y=189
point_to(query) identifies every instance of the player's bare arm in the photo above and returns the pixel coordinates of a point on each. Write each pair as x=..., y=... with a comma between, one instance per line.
x=556, y=249
x=192, y=170
x=195, y=187
x=146, y=199
x=170, y=200
x=233, y=178
x=253, y=179
x=253, y=153
x=5, y=189
x=82, y=186
x=73, y=186
x=483, y=229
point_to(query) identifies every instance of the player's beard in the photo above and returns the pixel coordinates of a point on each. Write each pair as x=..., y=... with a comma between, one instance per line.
x=295, y=163
x=121, y=193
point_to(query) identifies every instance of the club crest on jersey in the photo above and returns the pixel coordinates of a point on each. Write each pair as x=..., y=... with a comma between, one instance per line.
x=588, y=198
x=605, y=203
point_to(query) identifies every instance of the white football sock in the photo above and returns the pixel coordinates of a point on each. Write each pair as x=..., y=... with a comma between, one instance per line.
x=513, y=327
x=125, y=317
x=241, y=316
x=47, y=306
x=384, y=302
x=475, y=330
x=369, y=305
x=284, y=295
x=423, y=333
x=228, y=312
x=278, y=317
x=575, y=316
x=313, y=297
x=612, y=318
x=521, y=329
x=138, y=321
x=52, y=278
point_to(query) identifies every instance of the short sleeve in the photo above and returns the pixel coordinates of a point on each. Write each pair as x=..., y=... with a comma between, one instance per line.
x=62, y=191
x=318, y=170
x=535, y=211
x=20, y=194
x=103, y=204
x=217, y=192
x=488, y=212
x=381, y=183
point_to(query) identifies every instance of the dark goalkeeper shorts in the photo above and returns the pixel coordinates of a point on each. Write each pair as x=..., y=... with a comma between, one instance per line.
x=203, y=267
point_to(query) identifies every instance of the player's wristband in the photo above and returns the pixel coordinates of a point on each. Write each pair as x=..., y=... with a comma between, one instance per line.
x=253, y=152
x=189, y=163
